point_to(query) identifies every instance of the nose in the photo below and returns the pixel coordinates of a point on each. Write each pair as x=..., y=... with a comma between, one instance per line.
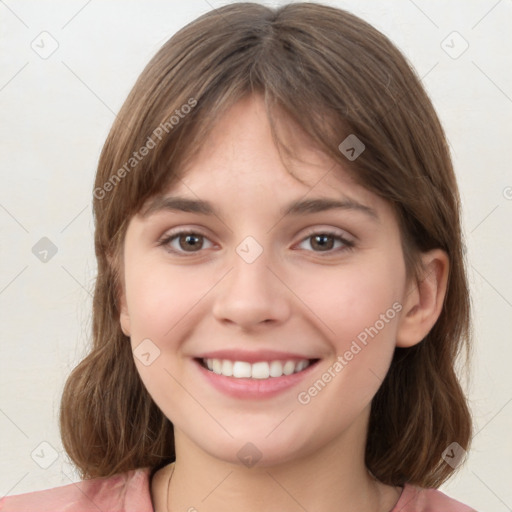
x=252, y=294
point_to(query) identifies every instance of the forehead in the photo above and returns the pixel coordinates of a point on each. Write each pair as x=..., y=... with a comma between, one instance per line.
x=240, y=154
x=239, y=167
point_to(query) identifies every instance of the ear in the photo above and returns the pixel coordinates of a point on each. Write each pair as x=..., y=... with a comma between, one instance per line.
x=424, y=299
x=124, y=317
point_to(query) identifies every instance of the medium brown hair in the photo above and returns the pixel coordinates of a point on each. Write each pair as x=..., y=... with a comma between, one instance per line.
x=333, y=75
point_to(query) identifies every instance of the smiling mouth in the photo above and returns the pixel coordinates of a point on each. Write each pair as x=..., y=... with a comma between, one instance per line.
x=259, y=370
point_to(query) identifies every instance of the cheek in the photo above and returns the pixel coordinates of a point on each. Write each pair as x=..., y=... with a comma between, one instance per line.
x=353, y=300
x=159, y=298
x=361, y=310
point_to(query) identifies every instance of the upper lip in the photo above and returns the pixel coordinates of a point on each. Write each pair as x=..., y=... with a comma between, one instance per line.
x=253, y=356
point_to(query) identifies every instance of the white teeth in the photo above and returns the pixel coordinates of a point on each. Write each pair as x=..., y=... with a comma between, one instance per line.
x=241, y=369
x=227, y=368
x=217, y=366
x=288, y=367
x=276, y=369
x=300, y=366
x=259, y=370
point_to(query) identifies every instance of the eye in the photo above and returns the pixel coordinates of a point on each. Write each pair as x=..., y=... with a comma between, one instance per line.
x=181, y=242
x=323, y=241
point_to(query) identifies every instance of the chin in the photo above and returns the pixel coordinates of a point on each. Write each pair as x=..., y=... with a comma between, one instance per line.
x=253, y=449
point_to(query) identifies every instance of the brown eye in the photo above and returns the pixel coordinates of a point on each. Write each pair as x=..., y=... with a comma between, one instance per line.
x=190, y=241
x=324, y=242
x=184, y=242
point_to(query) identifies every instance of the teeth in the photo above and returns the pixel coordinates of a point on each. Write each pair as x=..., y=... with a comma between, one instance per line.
x=276, y=369
x=227, y=368
x=260, y=370
x=301, y=366
x=240, y=369
x=217, y=365
x=288, y=367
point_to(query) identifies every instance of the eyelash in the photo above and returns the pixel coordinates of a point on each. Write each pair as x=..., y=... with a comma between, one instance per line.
x=348, y=245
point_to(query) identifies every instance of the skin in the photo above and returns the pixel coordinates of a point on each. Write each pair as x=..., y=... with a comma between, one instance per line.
x=295, y=297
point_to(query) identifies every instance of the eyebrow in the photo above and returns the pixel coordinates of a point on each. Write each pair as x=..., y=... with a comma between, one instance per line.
x=298, y=207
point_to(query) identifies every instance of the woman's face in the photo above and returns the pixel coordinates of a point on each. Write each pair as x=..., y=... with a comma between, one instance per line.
x=261, y=291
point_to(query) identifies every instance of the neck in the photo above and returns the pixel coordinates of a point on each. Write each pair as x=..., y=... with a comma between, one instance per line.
x=332, y=478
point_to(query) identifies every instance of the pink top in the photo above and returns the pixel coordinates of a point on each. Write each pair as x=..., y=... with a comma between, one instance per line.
x=130, y=492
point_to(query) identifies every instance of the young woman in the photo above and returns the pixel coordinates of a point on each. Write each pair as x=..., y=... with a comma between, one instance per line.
x=281, y=292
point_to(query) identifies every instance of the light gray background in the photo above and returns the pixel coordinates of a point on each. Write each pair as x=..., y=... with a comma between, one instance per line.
x=55, y=115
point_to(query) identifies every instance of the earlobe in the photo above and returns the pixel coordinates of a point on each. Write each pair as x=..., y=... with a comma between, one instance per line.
x=424, y=300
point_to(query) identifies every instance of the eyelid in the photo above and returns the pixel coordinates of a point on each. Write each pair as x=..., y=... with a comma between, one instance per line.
x=347, y=239
x=329, y=231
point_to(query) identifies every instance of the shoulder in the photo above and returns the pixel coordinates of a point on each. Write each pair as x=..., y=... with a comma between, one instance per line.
x=124, y=492
x=418, y=499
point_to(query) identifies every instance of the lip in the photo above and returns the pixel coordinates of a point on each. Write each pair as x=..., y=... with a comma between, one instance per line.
x=254, y=388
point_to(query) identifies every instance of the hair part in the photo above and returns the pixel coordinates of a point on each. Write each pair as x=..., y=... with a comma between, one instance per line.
x=331, y=74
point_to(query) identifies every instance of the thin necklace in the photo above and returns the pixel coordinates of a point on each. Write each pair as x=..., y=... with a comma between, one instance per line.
x=168, y=487
x=172, y=473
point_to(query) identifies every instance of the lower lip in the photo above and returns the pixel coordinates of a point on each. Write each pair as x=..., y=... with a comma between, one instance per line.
x=254, y=388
